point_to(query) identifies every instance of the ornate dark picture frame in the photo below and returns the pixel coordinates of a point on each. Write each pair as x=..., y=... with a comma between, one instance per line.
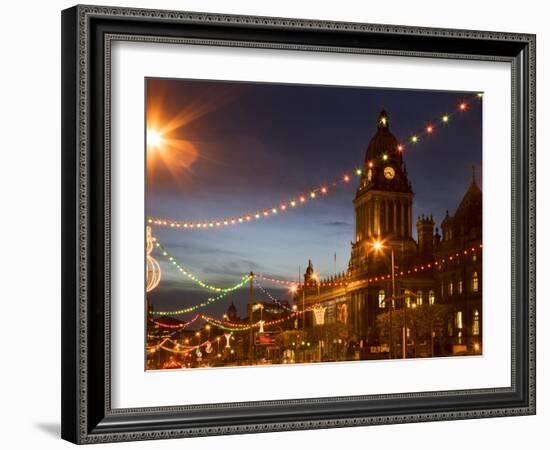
x=87, y=34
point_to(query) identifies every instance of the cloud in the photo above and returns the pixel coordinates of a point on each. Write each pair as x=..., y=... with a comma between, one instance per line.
x=338, y=223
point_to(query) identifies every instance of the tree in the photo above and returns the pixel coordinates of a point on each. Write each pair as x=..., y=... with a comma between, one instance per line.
x=429, y=321
x=334, y=337
x=424, y=322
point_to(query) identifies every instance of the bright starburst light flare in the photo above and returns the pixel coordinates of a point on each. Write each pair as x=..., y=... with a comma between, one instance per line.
x=169, y=149
x=154, y=139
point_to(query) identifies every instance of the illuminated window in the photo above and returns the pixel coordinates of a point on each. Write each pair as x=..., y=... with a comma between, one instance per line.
x=459, y=320
x=459, y=286
x=408, y=301
x=450, y=290
x=381, y=298
x=431, y=297
x=475, y=282
x=418, y=298
x=475, y=325
x=474, y=257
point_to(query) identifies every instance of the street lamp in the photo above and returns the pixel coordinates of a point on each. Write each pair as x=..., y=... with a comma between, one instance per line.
x=378, y=246
x=198, y=334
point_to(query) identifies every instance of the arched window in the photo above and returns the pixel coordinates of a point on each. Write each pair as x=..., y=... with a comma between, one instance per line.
x=418, y=298
x=475, y=324
x=381, y=298
x=450, y=290
x=459, y=286
x=431, y=297
x=475, y=282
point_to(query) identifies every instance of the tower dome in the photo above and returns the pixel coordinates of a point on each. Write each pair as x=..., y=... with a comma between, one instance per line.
x=383, y=142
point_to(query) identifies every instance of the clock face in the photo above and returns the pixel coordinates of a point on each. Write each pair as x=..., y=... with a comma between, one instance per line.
x=389, y=173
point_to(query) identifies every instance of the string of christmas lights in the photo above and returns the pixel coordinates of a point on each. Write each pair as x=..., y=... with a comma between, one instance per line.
x=287, y=205
x=232, y=326
x=193, y=277
x=294, y=284
x=178, y=347
x=273, y=299
x=189, y=309
x=178, y=327
x=299, y=200
x=419, y=268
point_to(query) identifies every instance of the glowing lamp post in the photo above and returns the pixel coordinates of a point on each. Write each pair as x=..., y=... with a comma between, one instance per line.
x=378, y=247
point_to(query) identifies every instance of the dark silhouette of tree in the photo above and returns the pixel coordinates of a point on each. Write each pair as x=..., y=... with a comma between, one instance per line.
x=425, y=322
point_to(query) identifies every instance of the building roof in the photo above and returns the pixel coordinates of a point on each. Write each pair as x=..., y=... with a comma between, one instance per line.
x=471, y=203
x=383, y=142
x=467, y=219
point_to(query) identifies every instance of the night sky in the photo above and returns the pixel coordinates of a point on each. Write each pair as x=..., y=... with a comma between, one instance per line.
x=233, y=148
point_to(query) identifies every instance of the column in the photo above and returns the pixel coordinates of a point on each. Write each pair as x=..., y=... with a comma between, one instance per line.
x=403, y=219
x=387, y=223
x=377, y=217
x=409, y=229
x=395, y=217
x=364, y=221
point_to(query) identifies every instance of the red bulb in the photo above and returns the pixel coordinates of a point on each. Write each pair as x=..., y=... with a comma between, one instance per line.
x=429, y=129
x=400, y=147
x=463, y=106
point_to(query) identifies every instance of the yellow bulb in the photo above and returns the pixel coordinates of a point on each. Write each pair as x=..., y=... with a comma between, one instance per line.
x=445, y=118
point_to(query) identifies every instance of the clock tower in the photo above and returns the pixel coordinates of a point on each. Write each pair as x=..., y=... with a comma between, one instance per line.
x=383, y=204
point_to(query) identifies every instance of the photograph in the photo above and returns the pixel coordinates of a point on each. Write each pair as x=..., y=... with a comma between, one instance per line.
x=300, y=224
x=272, y=223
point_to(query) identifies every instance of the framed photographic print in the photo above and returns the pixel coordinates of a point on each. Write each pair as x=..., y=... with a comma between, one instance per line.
x=278, y=224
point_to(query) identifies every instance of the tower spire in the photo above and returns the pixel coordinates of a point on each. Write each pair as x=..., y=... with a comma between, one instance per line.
x=383, y=121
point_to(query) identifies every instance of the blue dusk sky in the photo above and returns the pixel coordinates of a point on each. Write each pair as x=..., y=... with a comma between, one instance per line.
x=232, y=148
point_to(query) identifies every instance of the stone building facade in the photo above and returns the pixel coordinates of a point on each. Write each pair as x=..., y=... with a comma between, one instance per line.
x=383, y=232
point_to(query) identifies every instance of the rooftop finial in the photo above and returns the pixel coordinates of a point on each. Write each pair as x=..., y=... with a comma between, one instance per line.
x=383, y=121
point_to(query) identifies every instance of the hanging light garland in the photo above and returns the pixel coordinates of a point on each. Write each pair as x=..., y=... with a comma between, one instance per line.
x=420, y=268
x=284, y=206
x=178, y=348
x=231, y=326
x=273, y=299
x=189, y=309
x=235, y=327
x=193, y=277
x=178, y=327
x=299, y=200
